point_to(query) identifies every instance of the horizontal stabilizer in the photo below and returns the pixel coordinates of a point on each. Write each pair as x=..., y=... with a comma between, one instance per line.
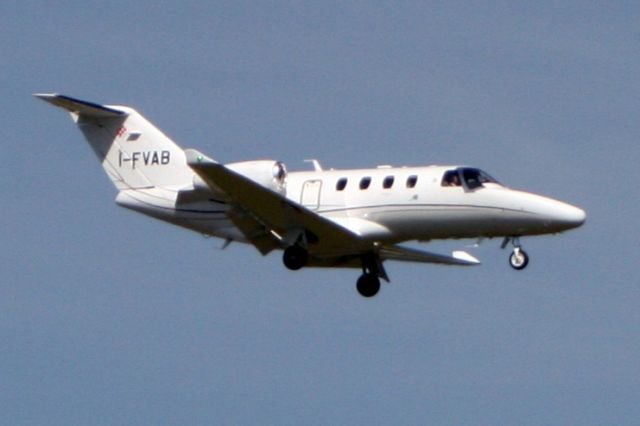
x=407, y=254
x=77, y=106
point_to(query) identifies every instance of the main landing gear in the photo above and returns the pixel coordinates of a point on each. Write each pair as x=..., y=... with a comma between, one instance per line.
x=519, y=259
x=295, y=257
x=368, y=285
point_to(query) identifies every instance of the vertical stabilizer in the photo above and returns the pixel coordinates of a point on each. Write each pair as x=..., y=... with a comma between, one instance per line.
x=134, y=153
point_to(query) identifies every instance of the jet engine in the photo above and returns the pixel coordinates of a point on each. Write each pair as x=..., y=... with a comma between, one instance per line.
x=268, y=173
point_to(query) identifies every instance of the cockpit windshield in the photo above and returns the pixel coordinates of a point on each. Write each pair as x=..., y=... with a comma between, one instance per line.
x=469, y=177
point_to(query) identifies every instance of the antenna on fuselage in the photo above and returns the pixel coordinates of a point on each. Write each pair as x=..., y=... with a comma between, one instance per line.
x=316, y=164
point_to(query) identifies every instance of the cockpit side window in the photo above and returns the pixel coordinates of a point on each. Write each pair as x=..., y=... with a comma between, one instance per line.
x=471, y=178
x=476, y=178
x=451, y=178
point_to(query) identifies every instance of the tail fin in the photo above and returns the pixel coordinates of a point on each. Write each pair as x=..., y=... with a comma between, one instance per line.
x=134, y=153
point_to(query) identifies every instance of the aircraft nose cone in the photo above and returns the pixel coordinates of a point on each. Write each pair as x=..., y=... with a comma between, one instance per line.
x=547, y=215
x=575, y=216
x=569, y=216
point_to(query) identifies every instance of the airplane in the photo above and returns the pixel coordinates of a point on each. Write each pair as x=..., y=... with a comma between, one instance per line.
x=319, y=218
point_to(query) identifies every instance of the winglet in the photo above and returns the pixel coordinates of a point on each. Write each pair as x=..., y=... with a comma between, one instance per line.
x=77, y=106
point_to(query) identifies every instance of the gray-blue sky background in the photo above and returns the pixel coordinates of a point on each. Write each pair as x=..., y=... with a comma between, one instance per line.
x=108, y=317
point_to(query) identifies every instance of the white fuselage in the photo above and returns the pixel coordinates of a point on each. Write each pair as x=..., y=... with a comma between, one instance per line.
x=398, y=204
x=330, y=218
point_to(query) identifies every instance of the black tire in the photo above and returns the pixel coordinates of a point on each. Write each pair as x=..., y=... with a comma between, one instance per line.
x=519, y=262
x=368, y=285
x=295, y=257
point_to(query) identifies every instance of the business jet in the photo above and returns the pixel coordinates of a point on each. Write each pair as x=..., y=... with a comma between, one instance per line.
x=319, y=218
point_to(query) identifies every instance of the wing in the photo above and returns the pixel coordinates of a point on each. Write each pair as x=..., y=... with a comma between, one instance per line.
x=272, y=219
x=407, y=254
x=268, y=220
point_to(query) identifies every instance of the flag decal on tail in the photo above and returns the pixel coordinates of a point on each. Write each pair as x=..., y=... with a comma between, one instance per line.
x=134, y=136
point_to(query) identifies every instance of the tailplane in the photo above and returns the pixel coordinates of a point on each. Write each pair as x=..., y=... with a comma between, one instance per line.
x=134, y=153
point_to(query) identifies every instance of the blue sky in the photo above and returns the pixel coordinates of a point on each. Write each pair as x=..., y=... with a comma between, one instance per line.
x=108, y=317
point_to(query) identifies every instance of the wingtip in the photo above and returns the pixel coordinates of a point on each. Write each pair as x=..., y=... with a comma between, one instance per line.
x=195, y=157
x=45, y=96
x=466, y=257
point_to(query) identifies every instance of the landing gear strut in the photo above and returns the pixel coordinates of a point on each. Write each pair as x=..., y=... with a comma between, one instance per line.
x=519, y=259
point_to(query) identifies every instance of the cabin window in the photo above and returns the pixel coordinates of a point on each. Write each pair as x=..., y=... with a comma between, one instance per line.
x=411, y=181
x=365, y=182
x=341, y=184
x=388, y=182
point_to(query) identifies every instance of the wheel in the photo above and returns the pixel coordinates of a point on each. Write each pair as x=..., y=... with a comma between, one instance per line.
x=368, y=285
x=295, y=257
x=519, y=259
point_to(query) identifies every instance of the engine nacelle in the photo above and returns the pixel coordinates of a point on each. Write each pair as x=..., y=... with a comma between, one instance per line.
x=268, y=173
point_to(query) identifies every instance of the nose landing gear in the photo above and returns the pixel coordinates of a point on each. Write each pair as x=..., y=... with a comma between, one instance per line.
x=519, y=259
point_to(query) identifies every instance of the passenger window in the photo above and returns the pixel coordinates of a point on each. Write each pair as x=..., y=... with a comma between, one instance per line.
x=365, y=182
x=341, y=184
x=411, y=181
x=388, y=182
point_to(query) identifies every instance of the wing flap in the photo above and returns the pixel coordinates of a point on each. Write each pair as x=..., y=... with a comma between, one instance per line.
x=254, y=231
